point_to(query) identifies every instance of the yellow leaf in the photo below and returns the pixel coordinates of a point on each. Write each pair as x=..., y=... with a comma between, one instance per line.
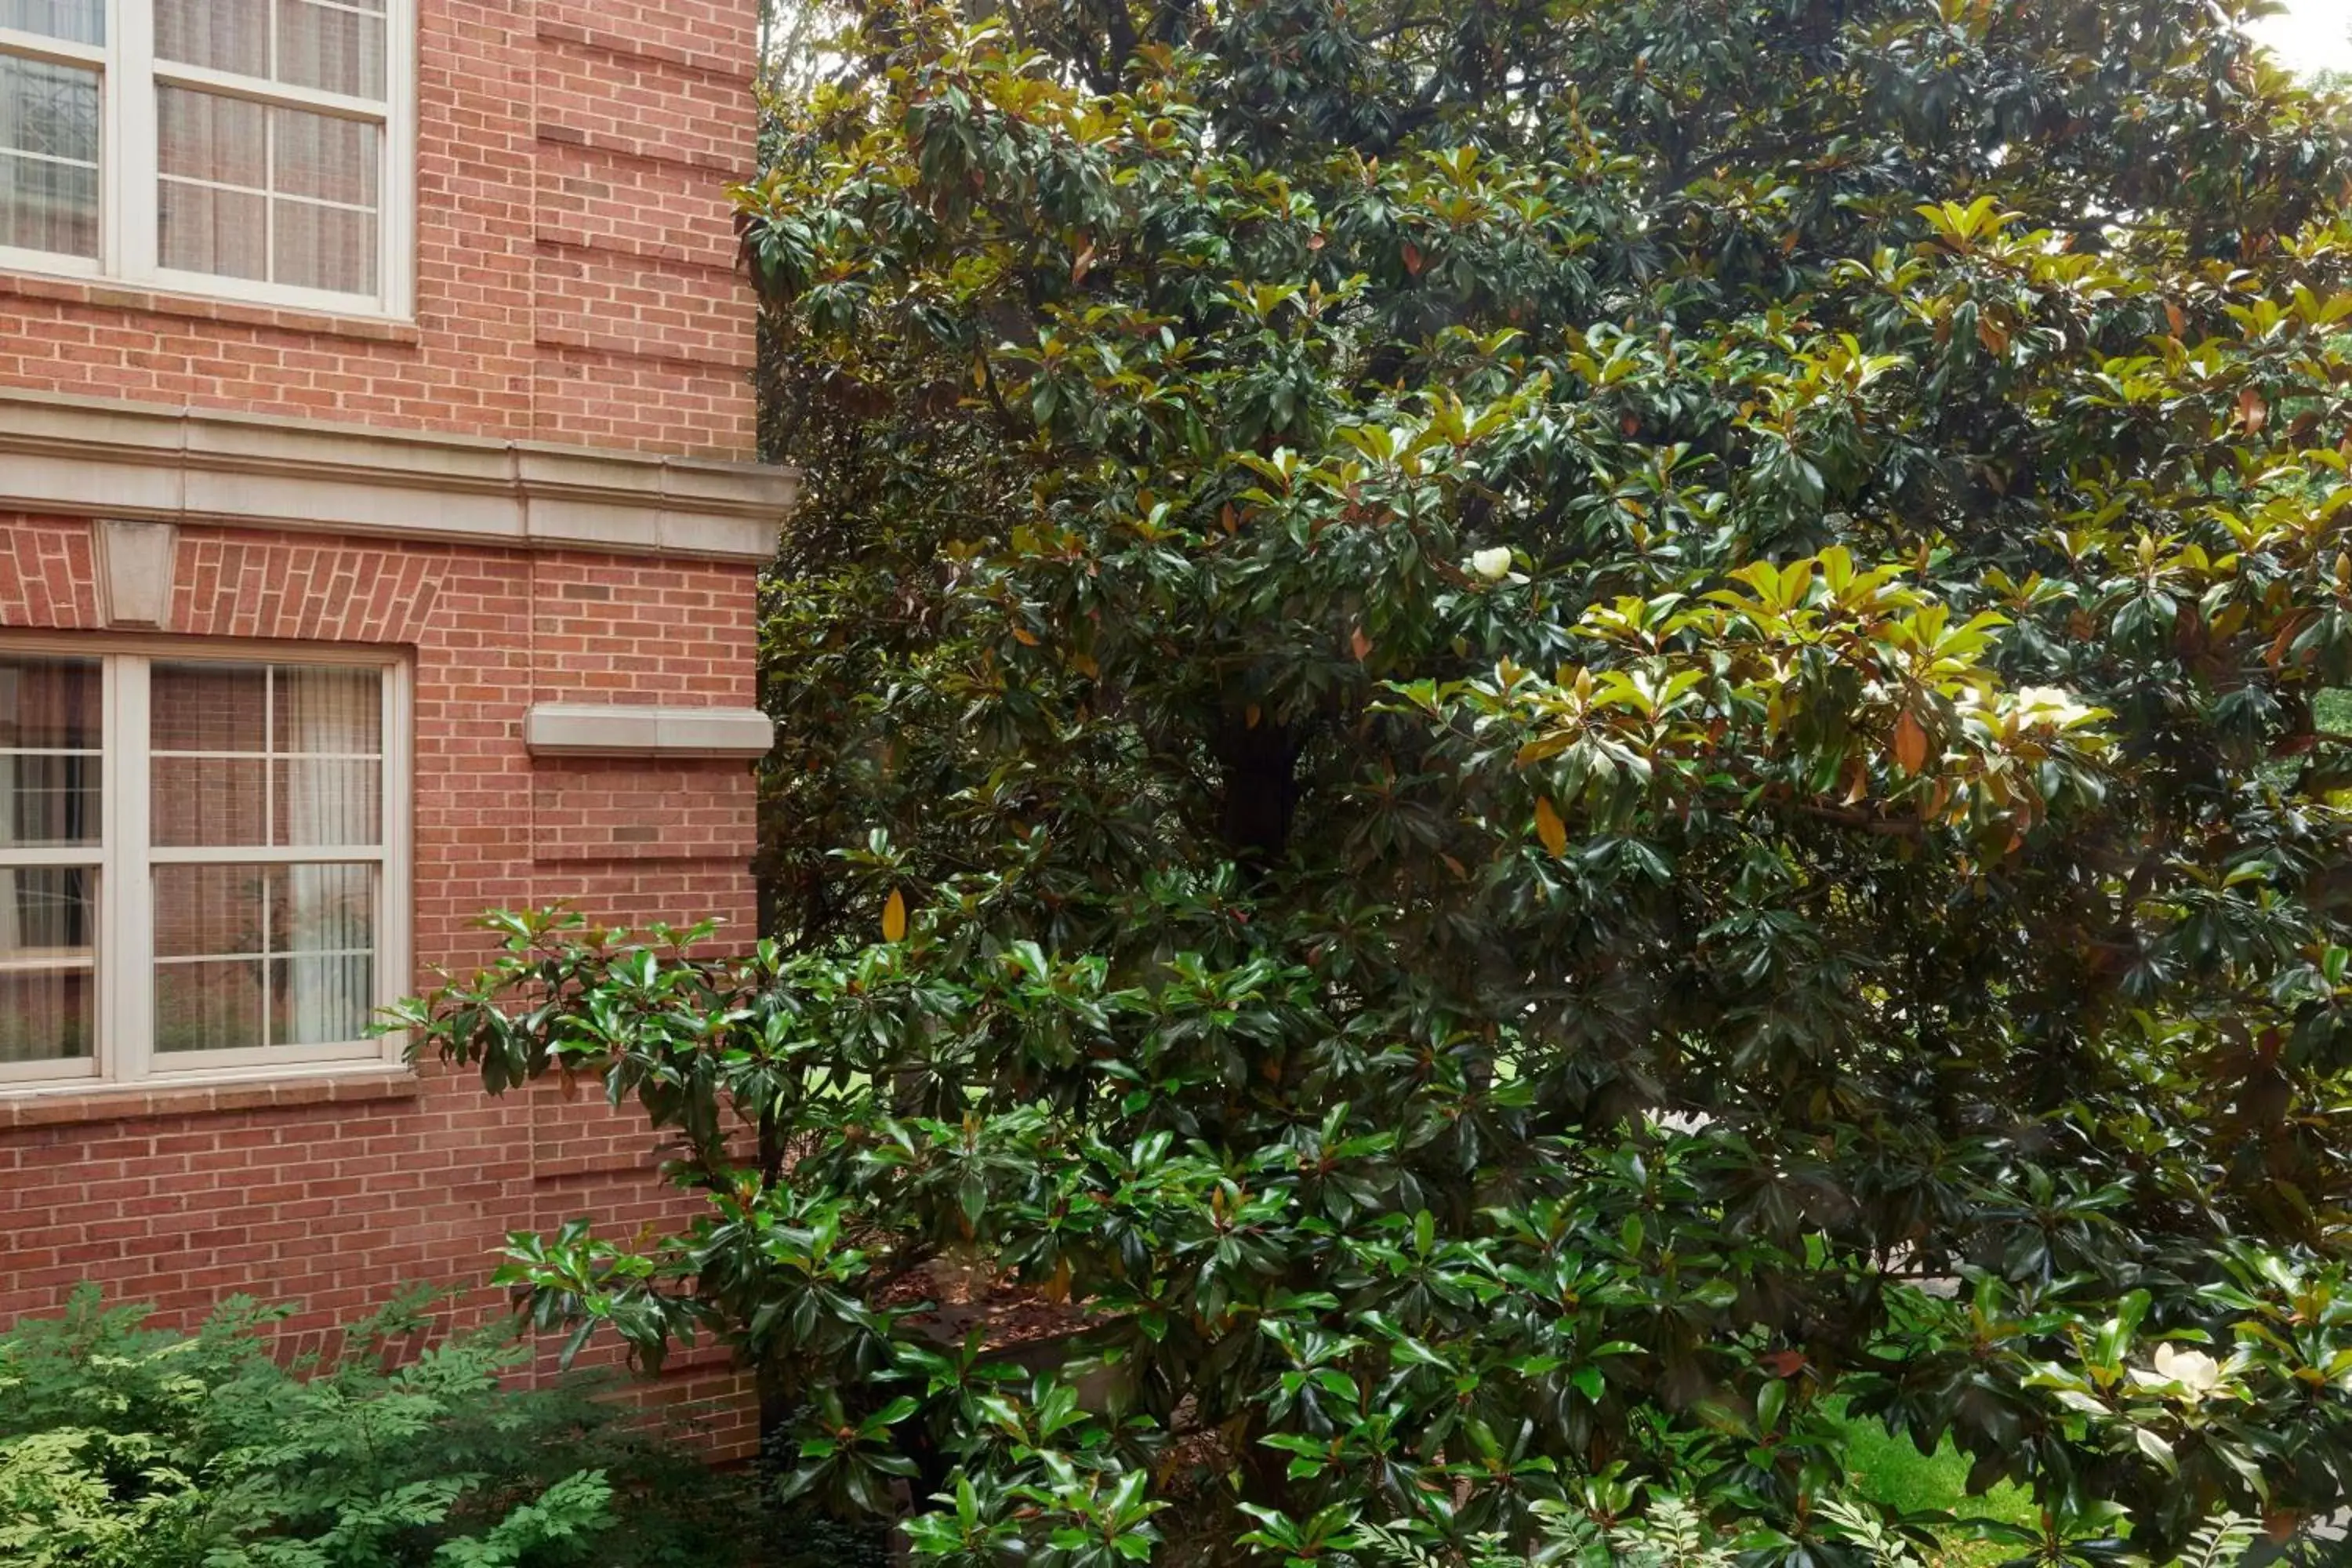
x=1551, y=828
x=1910, y=743
x=893, y=917
x=1250, y=715
x=1024, y=636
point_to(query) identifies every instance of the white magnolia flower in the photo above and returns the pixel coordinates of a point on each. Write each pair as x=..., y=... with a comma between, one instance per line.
x=2193, y=1370
x=1494, y=563
x=2049, y=705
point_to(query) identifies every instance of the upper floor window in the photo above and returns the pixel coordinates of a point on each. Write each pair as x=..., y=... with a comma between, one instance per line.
x=250, y=148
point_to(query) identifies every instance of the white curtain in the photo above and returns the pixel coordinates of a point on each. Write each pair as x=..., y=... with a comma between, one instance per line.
x=331, y=723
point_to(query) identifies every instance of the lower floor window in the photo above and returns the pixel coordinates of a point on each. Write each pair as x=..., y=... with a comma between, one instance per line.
x=198, y=866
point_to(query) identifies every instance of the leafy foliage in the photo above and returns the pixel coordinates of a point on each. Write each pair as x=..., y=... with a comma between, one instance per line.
x=127, y=1447
x=1569, y=724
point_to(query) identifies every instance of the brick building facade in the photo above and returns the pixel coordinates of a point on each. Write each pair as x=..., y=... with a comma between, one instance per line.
x=378, y=543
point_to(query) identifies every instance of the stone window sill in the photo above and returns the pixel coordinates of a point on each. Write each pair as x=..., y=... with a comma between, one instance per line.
x=70, y=1106
x=233, y=312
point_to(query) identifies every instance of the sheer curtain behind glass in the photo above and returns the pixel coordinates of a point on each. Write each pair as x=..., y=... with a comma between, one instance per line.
x=272, y=191
x=333, y=724
x=280, y=759
x=75, y=21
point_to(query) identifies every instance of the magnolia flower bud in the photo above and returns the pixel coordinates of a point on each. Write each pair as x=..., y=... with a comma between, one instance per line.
x=1493, y=564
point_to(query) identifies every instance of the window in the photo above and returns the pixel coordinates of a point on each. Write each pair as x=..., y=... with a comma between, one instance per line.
x=252, y=149
x=197, y=862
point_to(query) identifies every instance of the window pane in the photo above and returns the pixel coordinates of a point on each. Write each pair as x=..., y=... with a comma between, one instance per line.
x=208, y=1007
x=209, y=708
x=327, y=708
x=322, y=801
x=333, y=48
x=221, y=155
x=48, y=157
x=49, y=111
x=202, y=229
x=324, y=247
x=224, y=142
x=309, y=931
x=50, y=704
x=320, y=1001
x=50, y=767
x=325, y=908
x=79, y=21
x=320, y=728
x=208, y=802
x=46, y=802
x=47, y=914
x=47, y=1015
x=323, y=157
x=336, y=45
x=227, y=35
x=233, y=911
x=203, y=136
x=48, y=923
x=315, y=246
x=212, y=912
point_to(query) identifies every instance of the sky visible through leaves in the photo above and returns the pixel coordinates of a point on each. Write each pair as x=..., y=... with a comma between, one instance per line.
x=2311, y=35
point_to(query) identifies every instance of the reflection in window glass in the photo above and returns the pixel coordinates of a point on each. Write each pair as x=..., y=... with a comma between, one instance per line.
x=48, y=933
x=263, y=955
x=48, y=157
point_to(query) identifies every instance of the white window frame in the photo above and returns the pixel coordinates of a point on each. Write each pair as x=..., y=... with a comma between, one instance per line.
x=129, y=162
x=123, y=1054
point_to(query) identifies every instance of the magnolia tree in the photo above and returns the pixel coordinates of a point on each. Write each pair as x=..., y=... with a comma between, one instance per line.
x=1523, y=749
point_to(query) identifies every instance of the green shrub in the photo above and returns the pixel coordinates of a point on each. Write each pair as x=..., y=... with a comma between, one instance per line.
x=123, y=1446
x=1492, y=721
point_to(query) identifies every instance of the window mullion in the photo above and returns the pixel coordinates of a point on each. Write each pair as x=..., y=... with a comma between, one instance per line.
x=59, y=51
x=396, y=175
x=130, y=165
x=131, y=984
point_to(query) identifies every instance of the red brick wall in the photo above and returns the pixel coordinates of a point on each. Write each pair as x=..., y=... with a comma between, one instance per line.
x=333, y=1203
x=574, y=265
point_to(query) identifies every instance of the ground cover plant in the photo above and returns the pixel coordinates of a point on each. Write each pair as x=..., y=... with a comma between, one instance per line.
x=127, y=1447
x=1525, y=752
